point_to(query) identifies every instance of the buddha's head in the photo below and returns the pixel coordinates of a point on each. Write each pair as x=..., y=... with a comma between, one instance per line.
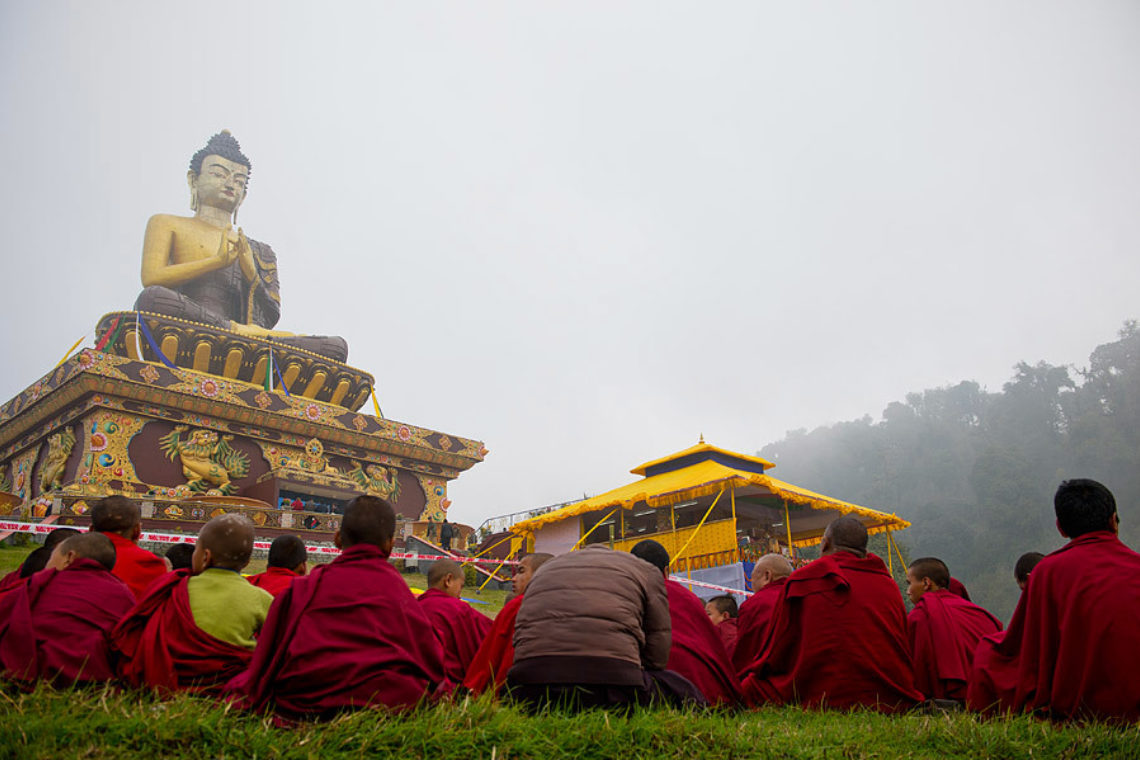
x=219, y=174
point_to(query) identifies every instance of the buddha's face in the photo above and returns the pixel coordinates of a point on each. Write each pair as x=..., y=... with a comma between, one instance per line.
x=220, y=184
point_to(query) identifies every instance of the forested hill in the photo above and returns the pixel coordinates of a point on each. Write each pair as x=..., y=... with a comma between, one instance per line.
x=975, y=471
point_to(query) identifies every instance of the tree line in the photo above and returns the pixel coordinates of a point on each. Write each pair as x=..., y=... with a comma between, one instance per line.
x=975, y=471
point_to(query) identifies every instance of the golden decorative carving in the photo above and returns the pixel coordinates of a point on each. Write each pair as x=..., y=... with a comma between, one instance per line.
x=376, y=479
x=59, y=449
x=209, y=463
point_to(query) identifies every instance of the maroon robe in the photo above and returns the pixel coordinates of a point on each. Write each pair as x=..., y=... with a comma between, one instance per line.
x=697, y=652
x=11, y=582
x=274, y=580
x=957, y=587
x=944, y=630
x=55, y=626
x=134, y=565
x=349, y=634
x=162, y=647
x=729, y=631
x=1070, y=649
x=497, y=652
x=752, y=626
x=460, y=630
x=837, y=640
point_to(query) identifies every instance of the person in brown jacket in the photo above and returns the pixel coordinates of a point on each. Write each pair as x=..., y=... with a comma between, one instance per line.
x=593, y=631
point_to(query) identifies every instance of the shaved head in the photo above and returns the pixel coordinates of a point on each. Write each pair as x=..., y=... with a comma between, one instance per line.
x=180, y=556
x=93, y=546
x=368, y=520
x=845, y=533
x=442, y=568
x=229, y=539
x=58, y=536
x=1025, y=564
x=652, y=552
x=287, y=551
x=932, y=568
x=116, y=514
x=770, y=568
x=526, y=569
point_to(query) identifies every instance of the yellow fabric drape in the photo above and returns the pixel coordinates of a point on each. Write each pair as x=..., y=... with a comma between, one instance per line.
x=708, y=512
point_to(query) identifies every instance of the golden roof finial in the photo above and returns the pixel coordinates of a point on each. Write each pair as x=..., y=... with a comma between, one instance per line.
x=702, y=438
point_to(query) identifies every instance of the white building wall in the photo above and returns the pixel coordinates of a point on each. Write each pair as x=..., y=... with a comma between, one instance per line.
x=557, y=538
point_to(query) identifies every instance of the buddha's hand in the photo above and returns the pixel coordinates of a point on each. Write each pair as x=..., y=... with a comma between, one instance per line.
x=245, y=257
x=227, y=248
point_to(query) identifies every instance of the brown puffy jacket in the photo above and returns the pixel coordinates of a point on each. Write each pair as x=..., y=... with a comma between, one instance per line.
x=596, y=603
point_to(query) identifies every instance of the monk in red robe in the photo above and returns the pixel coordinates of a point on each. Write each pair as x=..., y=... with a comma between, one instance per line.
x=288, y=559
x=769, y=575
x=194, y=630
x=1070, y=649
x=723, y=612
x=697, y=652
x=347, y=635
x=1025, y=564
x=488, y=669
x=35, y=561
x=55, y=626
x=944, y=631
x=838, y=638
x=460, y=629
x=119, y=518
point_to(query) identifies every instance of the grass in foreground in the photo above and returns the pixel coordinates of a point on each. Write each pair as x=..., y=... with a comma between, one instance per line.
x=106, y=724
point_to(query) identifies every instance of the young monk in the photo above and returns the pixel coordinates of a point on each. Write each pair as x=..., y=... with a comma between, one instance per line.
x=119, y=518
x=723, y=613
x=347, y=635
x=697, y=652
x=55, y=626
x=180, y=556
x=1025, y=564
x=1070, y=649
x=288, y=559
x=35, y=561
x=944, y=630
x=768, y=578
x=838, y=638
x=194, y=632
x=488, y=669
x=460, y=629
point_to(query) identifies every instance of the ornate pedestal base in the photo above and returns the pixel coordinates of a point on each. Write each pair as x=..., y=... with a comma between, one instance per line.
x=102, y=423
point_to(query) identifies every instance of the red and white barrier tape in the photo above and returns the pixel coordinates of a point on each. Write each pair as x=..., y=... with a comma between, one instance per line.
x=702, y=584
x=182, y=538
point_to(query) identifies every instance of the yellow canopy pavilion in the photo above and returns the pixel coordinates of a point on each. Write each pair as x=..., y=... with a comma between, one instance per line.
x=708, y=506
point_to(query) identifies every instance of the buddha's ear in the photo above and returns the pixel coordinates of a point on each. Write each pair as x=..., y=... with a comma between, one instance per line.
x=192, y=181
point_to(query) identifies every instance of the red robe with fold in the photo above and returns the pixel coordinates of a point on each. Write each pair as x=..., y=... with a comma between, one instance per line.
x=460, y=629
x=349, y=634
x=752, y=624
x=274, y=580
x=137, y=567
x=497, y=652
x=1070, y=649
x=944, y=631
x=957, y=587
x=55, y=626
x=11, y=582
x=729, y=631
x=163, y=648
x=837, y=640
x=697, y=651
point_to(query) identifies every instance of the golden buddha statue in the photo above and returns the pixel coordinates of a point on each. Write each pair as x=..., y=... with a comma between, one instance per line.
x=199, y=268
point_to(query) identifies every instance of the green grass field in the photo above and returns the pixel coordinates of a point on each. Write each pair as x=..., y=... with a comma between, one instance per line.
x=107, y=724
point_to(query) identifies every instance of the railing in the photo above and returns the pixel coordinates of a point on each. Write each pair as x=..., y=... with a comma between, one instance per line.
x=705, y=561
x=504, y=522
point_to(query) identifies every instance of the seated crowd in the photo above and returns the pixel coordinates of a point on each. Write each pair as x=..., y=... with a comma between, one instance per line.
x=590, y=628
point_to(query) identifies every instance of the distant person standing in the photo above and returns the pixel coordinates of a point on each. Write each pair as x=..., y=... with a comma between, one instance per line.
x=446, y=533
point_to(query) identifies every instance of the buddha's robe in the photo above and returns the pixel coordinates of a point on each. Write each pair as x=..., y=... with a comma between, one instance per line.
x=752, y=626
x=697, y=652
x=489, y=666
x=137, y=567
x=944, y=630
x=460, y=630
x=162, y=647
x=274, y=580
x=729, y=631
x=837, y=640
x=1070, y=649
x=349, y=634
x=55, y=626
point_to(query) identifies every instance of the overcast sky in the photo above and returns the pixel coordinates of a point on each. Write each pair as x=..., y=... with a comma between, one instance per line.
x=586, y=233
